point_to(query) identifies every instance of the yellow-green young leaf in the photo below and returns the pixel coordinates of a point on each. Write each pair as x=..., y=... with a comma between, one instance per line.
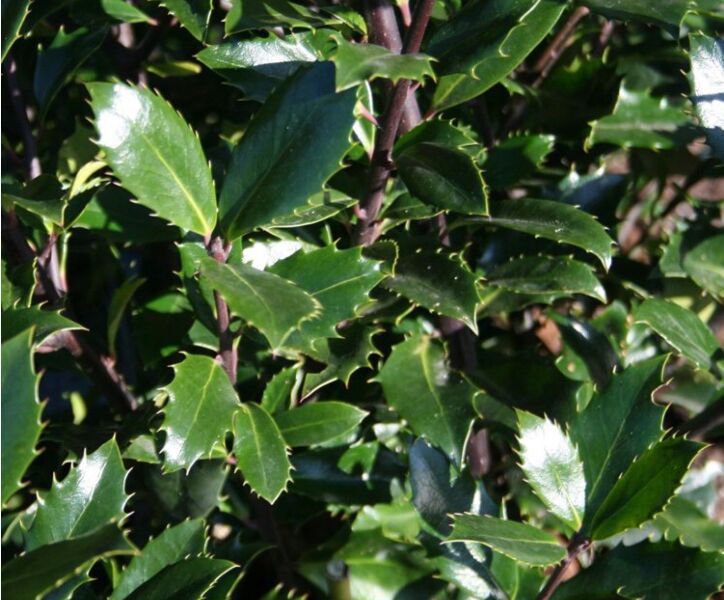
x=293, y=145
x=435, y=401
x=644, y=488
x=707, y=85
x=90, y=496
x=704, y=263
x=36, y=572
x=199, y=412
x=172, y=546
x=554, y=221
x=261, y=452
x=190, y=578
x=21, y=421
x=520, y=541
x=651, y=571
x=552, y=467
x=318, y=422
x=681, y=328
x=356, y=63
x=273, y=305
x=547, y=275
x=618, y=424
x=155, y=154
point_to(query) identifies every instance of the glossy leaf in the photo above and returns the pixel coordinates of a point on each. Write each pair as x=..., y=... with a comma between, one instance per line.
x=155, y=154
x=90, y=496
x=318, y=422
x=662, y=571
x=547, y=275
x=520, y=541
x=277, y=393
x=485, y=42
x=38, y=571
x=552, y=467
x=124, y=11
x=194, y=15
x=190, y=578
x=436, y=402
x=437, y=281
x=707, y=85
x=172, y=546
x=292, y=147
x=554, y=221
x=44, y=323
x=516, y=158
x=273, y=305
x=681, y=329
x=261, y=452
x=704, y=263
x=258, y=14
x=21, y=426
x=200, y=408
x=13, y=15
x=618, y=424
x=667, y=14
x=356, y=63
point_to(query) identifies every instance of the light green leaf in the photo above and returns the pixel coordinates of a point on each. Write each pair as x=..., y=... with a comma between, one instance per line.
x=356, y=63
x=618, y=424
x=155, y=154
x=13, y=15
x=172, y=546
x=121, y=297
x=645, y=487
x=123, y=10
x=681, y=329
x=194, y=15
x=261, y=452
x=520, y=541
x=516, y=158
x=318, y=422
x=704, y=264
x=662, y=571
x=707, y=86
x=21, y=423
x=43, y=322
x=485, y=42
x=437, y=281
x=340, y=280
x=291, y=148
x=190, y=578
x=278, y=391
x=90, y=496
x=552, y=467
x=547, y=275
x=38, y=571
x=435, y=401
x=683, y=521
x=199, y=412
x=273, y=305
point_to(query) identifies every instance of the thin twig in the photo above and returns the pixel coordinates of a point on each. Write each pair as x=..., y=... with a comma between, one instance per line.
x=30, y=147
x=576, y=546
x=227, y=349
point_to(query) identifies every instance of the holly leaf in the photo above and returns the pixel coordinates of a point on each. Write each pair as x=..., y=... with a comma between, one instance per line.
x=667, y=14
x=291, y=148
x=278, y=391
x=435, y=401
x=683, y=521
x=155, y=154
x=704, y=263
x=520, y=541
x=681, y=329
x=13, y=15
x=707, y=85
x=44, y=323
x=91, y=496
x=172, y=546
x=261, y=452
x=200, y=408
x=516, y=158
x=21, y=426
x=190, y=578
x=318, y=422
x=194, y=15
x=270, y=303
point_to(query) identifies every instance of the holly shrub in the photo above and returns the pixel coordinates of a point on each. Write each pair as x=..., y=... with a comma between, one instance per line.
x=360, y=300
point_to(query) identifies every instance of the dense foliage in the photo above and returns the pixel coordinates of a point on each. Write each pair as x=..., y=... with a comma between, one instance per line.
x=362, y=300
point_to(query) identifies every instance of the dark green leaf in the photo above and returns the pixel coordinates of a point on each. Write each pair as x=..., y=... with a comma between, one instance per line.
x=552, y=467
x=644, y=488
x=520, y=541
x=666, y=13
x=261, y=453
x=704, y=265
x=90, y=496
x=292, y=147
x=261, y=14
x=194, y=15
x=681, y=328
x=21, y=426
x=516, y=158
x=13, y=15
x=172, y=546
x=318, y=422
x=121, y=297
x=273, y=305
x=155, y=154
x=278, y=391
x=436, y=402
x=707, y=74
x=43, y=322
x=199, y=412
x=190, y=578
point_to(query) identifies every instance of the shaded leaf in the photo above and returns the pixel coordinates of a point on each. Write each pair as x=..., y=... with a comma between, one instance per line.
x=13, y=15
x=516, y=158
x=704, y=263
x=667, y=14
x=190, y=578
x=683, y=521
x=43, y=322
x=155, y=154
x=120, y=300
x=200, y=408
x=278, y=391
x=261, y=452
x=318, y=422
